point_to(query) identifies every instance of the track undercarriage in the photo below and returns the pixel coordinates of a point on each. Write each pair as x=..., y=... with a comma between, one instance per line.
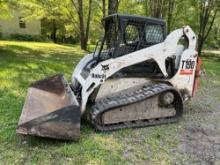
x=149, y=105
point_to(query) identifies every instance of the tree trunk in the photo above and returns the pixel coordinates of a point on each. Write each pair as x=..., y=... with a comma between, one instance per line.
x=200, y=44
x=146, y=7
x=103, y=8
x=84, y=31
x=169, y=14
x=81, y=25
x=88, y=23
x=54, y=31
x=158, y=8
x=113, y=6
x=206, y=21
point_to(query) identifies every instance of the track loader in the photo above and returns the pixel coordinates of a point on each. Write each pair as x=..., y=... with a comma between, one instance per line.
x=137, y=76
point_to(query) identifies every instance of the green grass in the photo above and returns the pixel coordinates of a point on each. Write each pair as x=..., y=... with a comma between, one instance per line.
x=212, y=67
x=24, y=62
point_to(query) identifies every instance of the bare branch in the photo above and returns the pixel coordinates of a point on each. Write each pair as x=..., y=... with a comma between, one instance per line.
x=211, y=24
x=75, y=6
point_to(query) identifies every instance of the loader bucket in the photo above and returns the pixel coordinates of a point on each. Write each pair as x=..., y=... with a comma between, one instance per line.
x=50, y=110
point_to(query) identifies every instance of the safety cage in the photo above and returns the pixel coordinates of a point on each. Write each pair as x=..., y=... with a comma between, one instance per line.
x=125, y=34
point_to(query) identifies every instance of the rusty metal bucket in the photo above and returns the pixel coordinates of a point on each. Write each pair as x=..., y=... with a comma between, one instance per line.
x=50, y=110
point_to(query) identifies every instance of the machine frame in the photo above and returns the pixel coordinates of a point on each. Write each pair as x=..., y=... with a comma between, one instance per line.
x=159, y=53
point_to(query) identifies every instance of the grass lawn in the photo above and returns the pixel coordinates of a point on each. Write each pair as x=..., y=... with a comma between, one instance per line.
x=24, y=62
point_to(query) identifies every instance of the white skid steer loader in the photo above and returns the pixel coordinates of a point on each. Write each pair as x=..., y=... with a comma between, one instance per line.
x=137, y=76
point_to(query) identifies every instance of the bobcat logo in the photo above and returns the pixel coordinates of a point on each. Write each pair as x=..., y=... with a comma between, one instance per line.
x=105, y=67
x=99, y=76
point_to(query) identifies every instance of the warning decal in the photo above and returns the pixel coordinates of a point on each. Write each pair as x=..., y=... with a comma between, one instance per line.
x=186, y=71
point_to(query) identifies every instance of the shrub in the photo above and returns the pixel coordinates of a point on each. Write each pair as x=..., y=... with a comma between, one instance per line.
x=27, y=37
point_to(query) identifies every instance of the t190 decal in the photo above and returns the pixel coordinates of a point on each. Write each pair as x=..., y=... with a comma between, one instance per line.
x=187, y=67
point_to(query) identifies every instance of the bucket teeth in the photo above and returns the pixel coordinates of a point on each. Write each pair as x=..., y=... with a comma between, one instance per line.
x=51, y=110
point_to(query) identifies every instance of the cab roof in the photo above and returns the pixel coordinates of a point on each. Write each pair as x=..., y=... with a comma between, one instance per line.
x=135, y=18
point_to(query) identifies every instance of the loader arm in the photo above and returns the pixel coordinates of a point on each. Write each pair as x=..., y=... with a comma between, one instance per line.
x=159, y=53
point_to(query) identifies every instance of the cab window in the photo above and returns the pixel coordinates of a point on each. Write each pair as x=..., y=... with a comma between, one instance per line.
x=153, y=34
x=131, y=34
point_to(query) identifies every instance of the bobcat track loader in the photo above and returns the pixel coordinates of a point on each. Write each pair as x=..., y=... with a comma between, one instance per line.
x=137, y=76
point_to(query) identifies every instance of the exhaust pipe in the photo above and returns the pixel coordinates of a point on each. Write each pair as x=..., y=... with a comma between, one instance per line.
x=51, y=110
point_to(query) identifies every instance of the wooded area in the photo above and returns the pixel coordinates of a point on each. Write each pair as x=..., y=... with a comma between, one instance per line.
x=79, y=21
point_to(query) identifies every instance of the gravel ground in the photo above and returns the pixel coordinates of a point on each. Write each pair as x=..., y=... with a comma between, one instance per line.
x=200, y=137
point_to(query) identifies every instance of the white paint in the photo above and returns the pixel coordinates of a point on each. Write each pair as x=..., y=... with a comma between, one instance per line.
x=158, y=53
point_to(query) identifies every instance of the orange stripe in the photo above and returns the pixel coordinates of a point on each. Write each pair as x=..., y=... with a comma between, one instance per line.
x=197, y=76
x=186, y=71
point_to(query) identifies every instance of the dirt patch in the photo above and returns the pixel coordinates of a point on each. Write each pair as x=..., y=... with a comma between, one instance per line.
x=202, y=142
x=200, y=137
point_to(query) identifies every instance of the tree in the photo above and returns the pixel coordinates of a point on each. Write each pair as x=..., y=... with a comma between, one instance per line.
x=79, y=20
x=50, y=11
x=4, y=10
x=170, y=14
x=160, y=9
x=136, y=7
x=113, y=6
x=84, y=30
x=157, y=8
x=58, y=16
x=208, y=12
x=104, y=8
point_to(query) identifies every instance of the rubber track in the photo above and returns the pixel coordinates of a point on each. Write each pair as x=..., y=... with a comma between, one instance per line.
x=144, y=93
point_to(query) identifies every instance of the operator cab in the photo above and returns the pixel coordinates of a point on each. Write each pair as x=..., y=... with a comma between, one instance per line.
x=128, y=33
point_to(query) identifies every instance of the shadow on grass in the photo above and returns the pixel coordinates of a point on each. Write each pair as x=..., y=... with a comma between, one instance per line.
x=23, y=64
x=14, y=52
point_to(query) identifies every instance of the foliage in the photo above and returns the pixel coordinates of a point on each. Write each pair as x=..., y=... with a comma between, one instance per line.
x=132, y=7
x=208, y=10
x=4, y=10
x=61, y=21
